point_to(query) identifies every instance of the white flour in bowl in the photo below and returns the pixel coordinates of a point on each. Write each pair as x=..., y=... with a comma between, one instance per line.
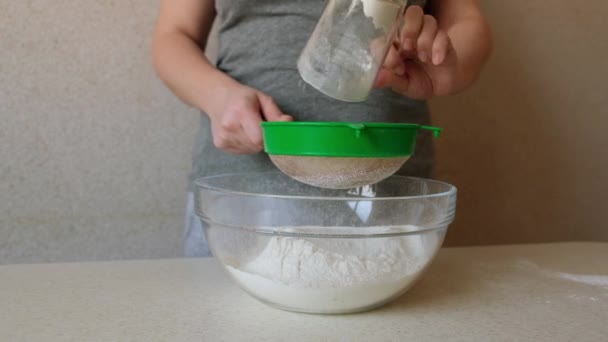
x=333, y=275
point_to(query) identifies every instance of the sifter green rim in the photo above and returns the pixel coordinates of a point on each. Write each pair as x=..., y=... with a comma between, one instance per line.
x=342, y=139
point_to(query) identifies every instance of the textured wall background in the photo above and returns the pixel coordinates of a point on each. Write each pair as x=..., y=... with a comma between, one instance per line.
x=527, y=146
x=94, y=150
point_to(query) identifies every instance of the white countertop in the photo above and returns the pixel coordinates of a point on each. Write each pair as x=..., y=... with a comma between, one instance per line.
x=551, y=292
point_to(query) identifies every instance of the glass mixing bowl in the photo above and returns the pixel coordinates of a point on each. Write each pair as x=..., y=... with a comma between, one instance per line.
x=315, y=250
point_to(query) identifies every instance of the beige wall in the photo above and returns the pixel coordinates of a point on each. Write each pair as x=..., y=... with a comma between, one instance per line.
x=527, y=146
x=95, y=150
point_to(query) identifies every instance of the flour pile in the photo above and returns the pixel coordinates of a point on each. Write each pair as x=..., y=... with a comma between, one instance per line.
x=332, y=275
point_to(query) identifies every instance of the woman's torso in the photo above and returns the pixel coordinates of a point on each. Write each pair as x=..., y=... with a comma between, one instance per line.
x=259, y=44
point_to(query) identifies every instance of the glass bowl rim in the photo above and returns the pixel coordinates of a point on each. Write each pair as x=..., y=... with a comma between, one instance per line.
x=202, y=183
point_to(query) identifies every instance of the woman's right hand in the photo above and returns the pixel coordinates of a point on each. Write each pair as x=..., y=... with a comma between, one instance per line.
x=236, y=119
x=235, y=110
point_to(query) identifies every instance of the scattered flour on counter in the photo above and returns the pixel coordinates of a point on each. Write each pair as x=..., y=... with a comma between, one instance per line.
x=583, y=298
x=589, y=279
x=330, y=275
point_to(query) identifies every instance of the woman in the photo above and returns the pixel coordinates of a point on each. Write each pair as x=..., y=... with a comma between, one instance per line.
x=255, y=78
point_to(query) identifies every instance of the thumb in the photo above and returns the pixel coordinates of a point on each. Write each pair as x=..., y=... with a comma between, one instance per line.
x=393, y=59
x=388, y=79
x=270, y=110
x=253, y=130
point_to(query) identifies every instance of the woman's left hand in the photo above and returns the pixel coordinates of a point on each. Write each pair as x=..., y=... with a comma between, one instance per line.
x=426, y=65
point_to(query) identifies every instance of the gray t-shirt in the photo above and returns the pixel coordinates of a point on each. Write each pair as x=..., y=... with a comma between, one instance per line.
x=259, y=44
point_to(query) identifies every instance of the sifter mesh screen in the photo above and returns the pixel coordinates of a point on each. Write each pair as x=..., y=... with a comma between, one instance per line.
x=338, y=172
